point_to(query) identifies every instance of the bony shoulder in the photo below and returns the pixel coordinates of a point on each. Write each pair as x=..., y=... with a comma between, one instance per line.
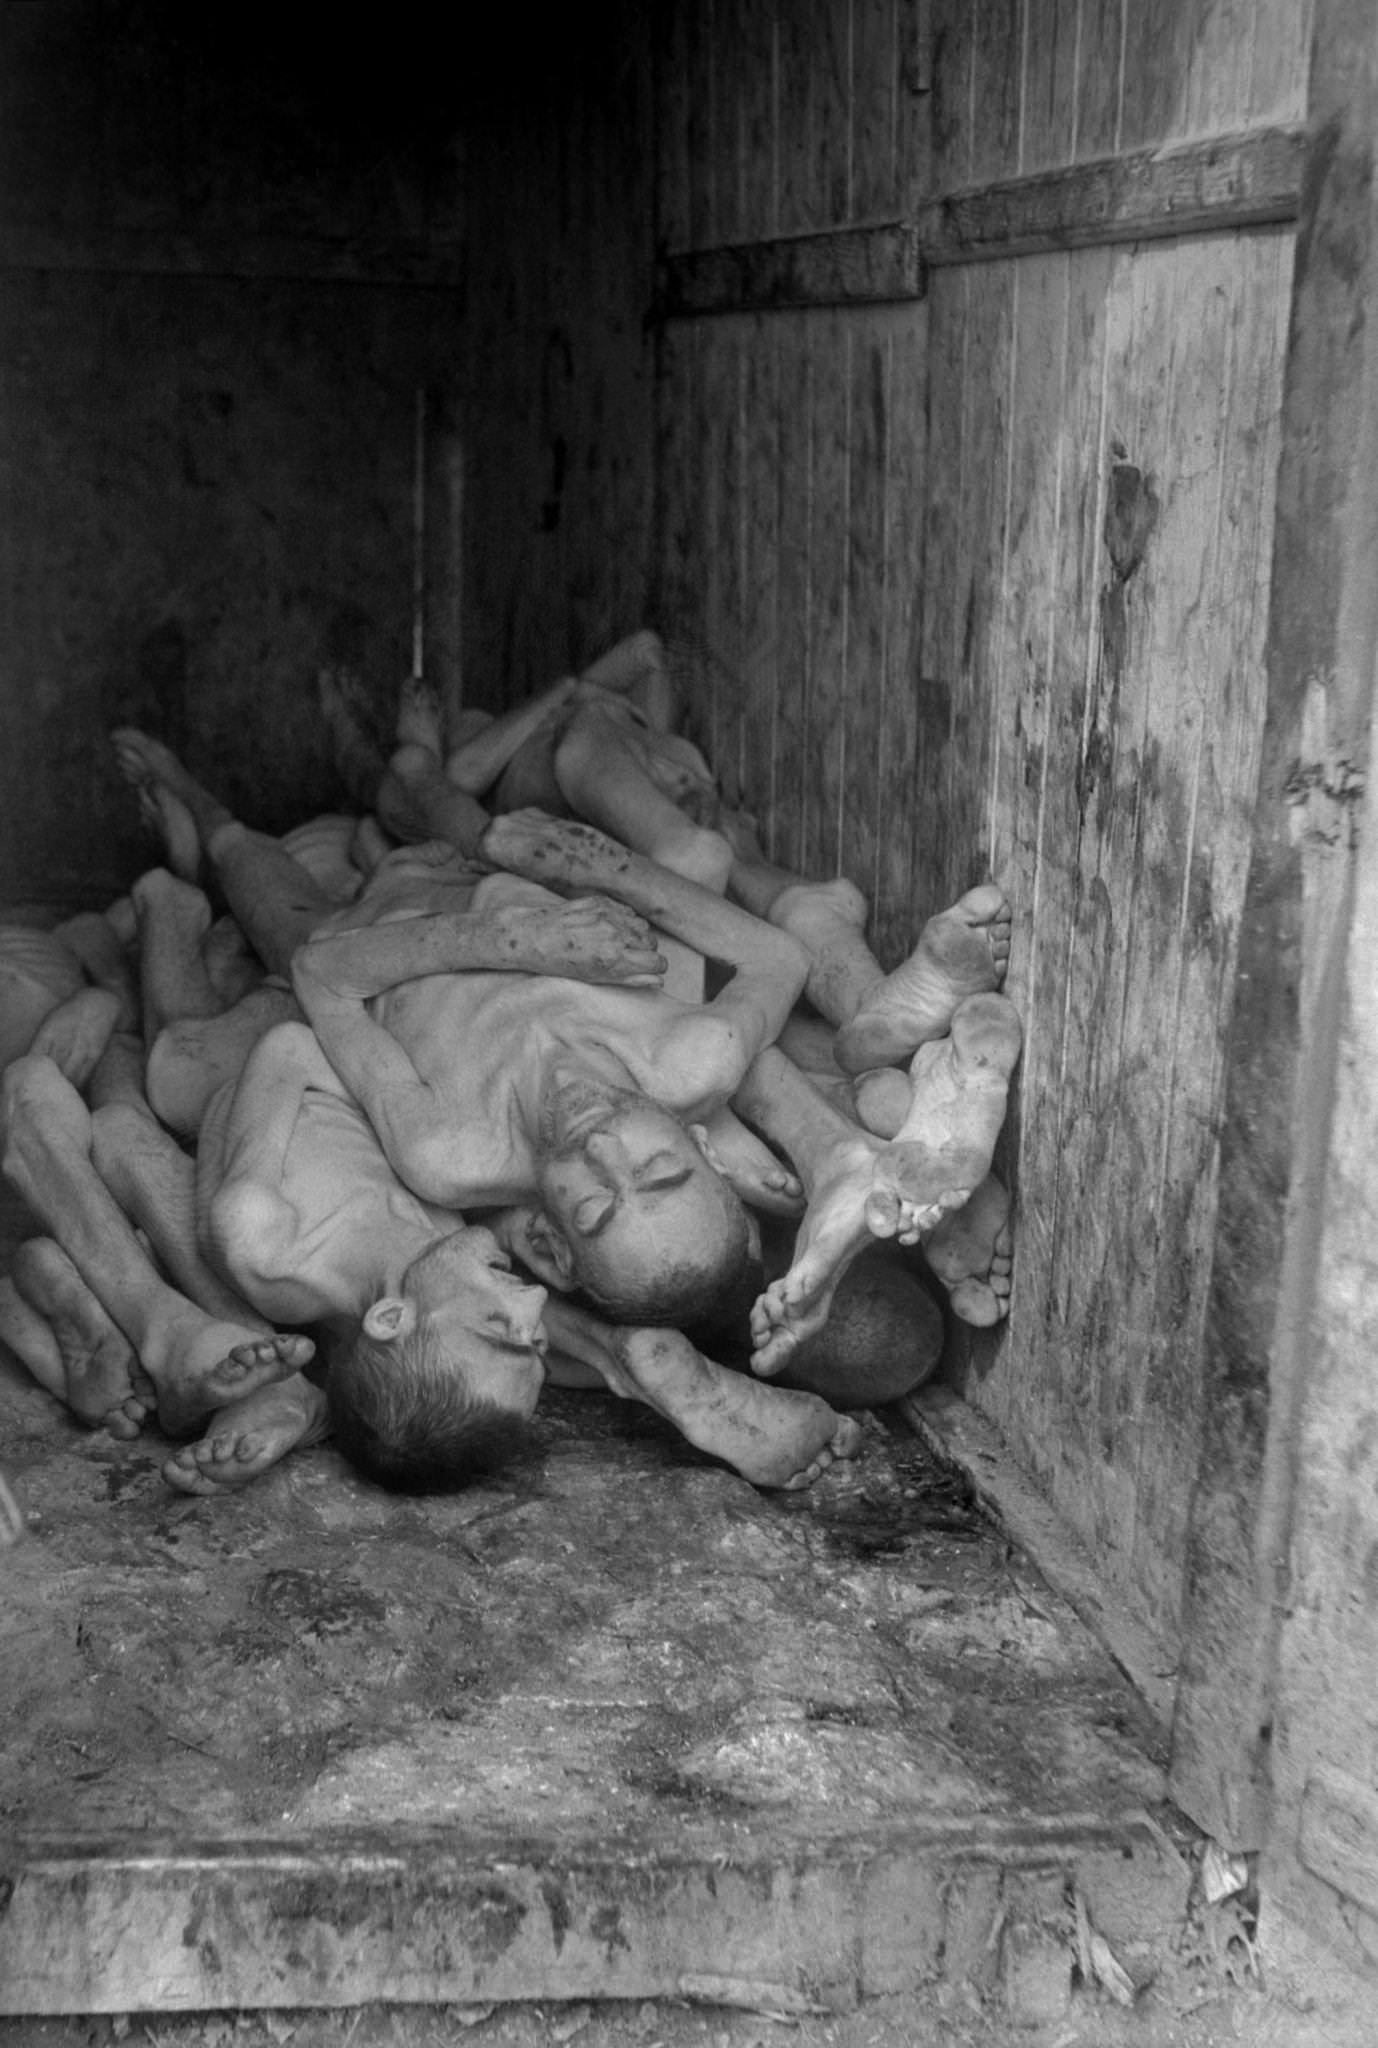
x=702, y=1062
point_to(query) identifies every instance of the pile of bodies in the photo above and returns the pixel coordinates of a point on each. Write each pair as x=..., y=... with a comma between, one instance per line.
x=375, y=1129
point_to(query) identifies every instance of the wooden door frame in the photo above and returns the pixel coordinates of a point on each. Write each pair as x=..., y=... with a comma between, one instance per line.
x=1285, y=1031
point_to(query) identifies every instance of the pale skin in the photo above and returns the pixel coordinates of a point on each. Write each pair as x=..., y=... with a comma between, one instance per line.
x=963, y=952
x=269, y=1176
x=910, y=1184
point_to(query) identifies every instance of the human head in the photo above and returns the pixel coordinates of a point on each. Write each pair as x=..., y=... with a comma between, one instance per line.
x=635, y=1210
x=440, y=1381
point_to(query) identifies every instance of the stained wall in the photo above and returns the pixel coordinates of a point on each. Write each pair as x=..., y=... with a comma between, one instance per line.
x=986, y=571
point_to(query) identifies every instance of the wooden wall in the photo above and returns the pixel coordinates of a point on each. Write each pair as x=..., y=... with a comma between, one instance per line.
x=556, y=370
x=223, y=285
x=987, y=573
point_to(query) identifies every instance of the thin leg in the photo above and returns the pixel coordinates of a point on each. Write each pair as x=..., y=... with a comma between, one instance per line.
x=196, y=1363
x=786, y=1439
x=174, y=918
x=273, y=897
x=605, y=781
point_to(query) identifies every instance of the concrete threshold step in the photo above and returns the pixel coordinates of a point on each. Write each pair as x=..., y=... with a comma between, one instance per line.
x=612, y=1724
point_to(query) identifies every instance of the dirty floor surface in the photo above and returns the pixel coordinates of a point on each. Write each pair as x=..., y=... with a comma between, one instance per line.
x=613, y=1726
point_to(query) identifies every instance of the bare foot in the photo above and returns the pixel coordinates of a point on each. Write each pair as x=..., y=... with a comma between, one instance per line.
x=211, y=1364
x=172, y=823
x=773, y=1436
x=419, y=718
x=168, y=793
x=962, y=952
x=102, y=1382
x=249, y=1437
x=358, y=758
x=943, y=1152
x=835, y=1228
x=972, y=1253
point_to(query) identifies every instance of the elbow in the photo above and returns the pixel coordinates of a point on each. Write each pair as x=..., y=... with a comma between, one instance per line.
x=253, y=1235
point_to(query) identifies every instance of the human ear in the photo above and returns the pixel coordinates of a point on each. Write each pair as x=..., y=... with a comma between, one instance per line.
x=390, y=1319
x=540, y=1244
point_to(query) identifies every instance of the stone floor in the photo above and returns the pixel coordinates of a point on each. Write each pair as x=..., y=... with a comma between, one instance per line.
x=611, y=1725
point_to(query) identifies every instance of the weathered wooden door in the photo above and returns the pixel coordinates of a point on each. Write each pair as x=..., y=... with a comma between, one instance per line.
x=971, y=409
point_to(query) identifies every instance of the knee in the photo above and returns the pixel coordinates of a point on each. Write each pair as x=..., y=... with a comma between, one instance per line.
x=252, y=1232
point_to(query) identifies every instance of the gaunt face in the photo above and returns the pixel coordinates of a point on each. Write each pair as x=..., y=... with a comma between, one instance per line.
x=483, y=1316
x=627, y=1185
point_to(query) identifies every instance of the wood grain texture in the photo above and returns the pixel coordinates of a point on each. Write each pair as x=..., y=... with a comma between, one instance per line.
x=1290, y=1427
x=847, y=266
x=1227, y=181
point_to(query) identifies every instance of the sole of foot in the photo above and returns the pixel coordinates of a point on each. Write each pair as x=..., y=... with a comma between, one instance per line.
x=962, y=952
x=219, y=1366
x=943, y=1152
x=972, y=1254
x=248, y=1438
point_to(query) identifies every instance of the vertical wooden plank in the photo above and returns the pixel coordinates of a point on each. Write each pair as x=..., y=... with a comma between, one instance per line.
x=914, y=104
x=829, y=594
x=877, y=84
x=996, y=81
x=1225, y=734
x=794, y=589
x=1172, y=1119
x=1026, y=1388
x=951, y=340
x=832, y=128
x=1280, y=60
x=1099, y=78
x=672, y=125
x=1051, y=66
x=796, y=147
x=729, y=139
x=1160, y=36
x=1019, y=673
x=760, y=642
x=1217, y=87
x=864, y=731
x=953, y=57
x=902, y=794
x=703, y=134
x=757, y=89
x=966, y=762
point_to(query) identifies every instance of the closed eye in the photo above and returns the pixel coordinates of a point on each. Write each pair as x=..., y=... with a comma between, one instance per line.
x=669, y=1176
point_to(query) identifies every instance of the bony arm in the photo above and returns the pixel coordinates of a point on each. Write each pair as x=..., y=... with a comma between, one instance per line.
x=405, y=1111
x=590, y=940
x=771, y=965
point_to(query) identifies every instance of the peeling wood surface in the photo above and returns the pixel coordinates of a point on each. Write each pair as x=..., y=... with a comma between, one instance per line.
x=1051, y=623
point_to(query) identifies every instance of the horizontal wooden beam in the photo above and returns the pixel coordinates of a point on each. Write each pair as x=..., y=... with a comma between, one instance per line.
x=850, y=267
x=1205, y=187
x=305, y=259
